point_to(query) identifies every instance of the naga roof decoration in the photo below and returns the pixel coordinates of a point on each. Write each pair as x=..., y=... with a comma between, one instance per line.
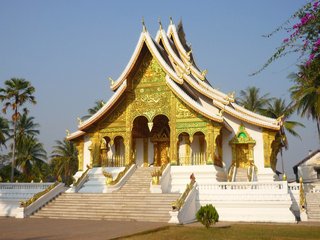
x=182, y=75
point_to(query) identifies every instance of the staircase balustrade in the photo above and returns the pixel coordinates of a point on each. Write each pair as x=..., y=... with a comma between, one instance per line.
x=184, y=208
x=39, y=199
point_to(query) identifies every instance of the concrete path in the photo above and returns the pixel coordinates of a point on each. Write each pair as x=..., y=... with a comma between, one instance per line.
x=36, y=229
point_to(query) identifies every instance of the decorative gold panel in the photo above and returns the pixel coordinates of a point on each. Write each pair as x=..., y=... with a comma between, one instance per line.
x=271, y=148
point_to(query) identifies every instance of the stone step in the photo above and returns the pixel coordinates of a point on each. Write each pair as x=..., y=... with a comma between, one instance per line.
x=133, y=202
x=118, y=218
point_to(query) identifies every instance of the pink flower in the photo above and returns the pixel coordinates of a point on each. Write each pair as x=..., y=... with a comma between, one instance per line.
x=317, y=43
x=315, y=5
x=285, y=40
x=311, y=57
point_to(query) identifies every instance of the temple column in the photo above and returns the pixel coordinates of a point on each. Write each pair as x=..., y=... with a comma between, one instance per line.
x=188, y=157
x=80, y=149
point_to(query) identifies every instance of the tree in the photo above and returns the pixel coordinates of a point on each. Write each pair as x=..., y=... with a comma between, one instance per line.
x=277, y=108
x=16, y=93
x=4, y=131
x=97, y=106
x=306, y=91
x=30, y=154
x=64, y=160
x=26, y=127
x=250, y=99
x=304, y=35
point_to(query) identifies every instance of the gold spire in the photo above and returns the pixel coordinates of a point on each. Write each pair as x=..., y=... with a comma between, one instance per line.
x=171, y=21
x=68, y=132
x=159, y=21
x=144, y=28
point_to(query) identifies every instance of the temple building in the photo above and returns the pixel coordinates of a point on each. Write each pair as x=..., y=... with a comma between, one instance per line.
x=164, y=110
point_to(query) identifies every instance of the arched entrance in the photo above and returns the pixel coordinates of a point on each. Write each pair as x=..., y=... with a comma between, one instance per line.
x=151, y=140
x=140, y=141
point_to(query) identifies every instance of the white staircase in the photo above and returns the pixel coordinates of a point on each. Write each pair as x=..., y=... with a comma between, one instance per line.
x=133, y=202
x=313, y=206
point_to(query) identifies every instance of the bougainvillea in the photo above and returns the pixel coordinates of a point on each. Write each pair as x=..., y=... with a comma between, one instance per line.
x=303, y=29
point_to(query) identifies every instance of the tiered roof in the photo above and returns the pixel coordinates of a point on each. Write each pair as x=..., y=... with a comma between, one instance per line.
x=184, y=78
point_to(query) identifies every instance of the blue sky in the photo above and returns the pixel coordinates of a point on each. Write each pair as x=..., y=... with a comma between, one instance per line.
x=68, y=49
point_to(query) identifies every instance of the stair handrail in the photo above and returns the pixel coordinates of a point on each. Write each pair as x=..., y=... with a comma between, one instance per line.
x=252, y=172
x=177, y=205
x=82, y=179
x=302, y=202
x=184, y=208
x=232, y=172
x=121, y=179
x=38, y=200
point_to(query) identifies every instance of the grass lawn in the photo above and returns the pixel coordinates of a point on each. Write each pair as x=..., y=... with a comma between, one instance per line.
x=234, y=231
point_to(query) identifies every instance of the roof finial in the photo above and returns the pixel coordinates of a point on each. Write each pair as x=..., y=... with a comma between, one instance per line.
x=144, y=28
x=68, y=132
x=79, y=121
x=204, y=72
x=111, y=81
x=159, y=21
x=171, y=21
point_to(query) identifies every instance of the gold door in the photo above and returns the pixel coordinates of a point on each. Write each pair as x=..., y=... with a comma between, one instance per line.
x=242, y=155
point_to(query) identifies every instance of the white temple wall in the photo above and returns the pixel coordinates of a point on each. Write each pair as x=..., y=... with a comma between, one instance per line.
x=86, y=152
x=139, y=151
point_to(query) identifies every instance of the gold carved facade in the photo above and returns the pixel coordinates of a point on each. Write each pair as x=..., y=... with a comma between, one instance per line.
x=148, y=95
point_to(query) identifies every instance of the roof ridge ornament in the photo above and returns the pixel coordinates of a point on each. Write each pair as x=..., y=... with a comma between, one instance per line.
x=111, y=81
x=204, y=72
x=144, y=28
x=68, y=132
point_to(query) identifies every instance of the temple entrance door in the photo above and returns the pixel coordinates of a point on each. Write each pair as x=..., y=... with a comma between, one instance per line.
x=161, y=152
x=160, y=137
x=242, y=153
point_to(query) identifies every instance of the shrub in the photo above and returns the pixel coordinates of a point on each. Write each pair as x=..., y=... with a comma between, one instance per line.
x=207, y=215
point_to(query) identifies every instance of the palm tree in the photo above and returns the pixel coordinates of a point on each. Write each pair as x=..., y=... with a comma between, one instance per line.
x=30, y=153
x=306, y=91
x=26, y=127
x=64, y=160
x=97, y=106
x=4, y=131
x=251, y=99
x=277, y=108
x=16, y=93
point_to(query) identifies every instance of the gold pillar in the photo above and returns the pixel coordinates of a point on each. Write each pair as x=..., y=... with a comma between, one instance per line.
x=188, y=141
x=268, y=138
x=173, y=155
x=80, y=149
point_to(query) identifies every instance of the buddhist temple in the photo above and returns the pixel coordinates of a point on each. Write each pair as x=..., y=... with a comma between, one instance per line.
x=164, y=110
x=167, y=134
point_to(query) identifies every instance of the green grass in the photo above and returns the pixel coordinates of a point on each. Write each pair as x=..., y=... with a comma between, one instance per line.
x=235, y=231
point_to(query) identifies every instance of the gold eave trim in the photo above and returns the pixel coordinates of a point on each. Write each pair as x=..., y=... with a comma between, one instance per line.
x=75, y=135
x=245, y=118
